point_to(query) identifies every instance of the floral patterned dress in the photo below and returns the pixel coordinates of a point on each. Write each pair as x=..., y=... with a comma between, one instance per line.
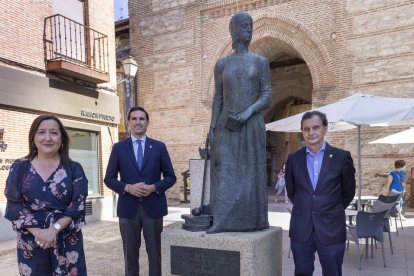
x=32, y=202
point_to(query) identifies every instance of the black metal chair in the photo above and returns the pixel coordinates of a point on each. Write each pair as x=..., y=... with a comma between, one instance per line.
x=368, y=225
x=381, y=206
x=395, y=212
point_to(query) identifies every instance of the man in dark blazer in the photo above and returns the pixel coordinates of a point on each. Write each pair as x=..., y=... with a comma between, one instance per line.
x=140, y=161
x=320, y=181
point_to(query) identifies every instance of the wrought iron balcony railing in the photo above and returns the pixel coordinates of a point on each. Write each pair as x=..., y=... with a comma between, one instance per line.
x=75, y=49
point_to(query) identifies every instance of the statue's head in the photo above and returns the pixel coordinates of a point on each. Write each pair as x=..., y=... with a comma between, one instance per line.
x=241, y=28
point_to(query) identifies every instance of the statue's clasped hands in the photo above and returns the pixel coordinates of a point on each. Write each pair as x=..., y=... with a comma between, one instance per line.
x=242, y=117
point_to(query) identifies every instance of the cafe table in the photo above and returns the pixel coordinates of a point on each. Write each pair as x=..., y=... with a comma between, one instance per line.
x=365, y=199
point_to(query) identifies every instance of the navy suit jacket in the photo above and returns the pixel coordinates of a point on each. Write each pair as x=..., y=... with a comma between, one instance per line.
x=156, y=162
x=322, y=209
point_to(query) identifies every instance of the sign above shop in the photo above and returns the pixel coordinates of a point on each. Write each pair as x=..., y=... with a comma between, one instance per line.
x=27, y=90
x=97, y=115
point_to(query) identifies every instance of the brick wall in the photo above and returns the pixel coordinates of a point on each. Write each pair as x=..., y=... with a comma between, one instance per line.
x=381, y=46
x=16, y=139
x=347, y=46
x=21, y=40
x=168, y=76
x=21, y=30
x=101, y=18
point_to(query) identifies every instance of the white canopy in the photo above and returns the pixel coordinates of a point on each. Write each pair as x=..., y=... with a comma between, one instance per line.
x=355, y=111
x=403, y=137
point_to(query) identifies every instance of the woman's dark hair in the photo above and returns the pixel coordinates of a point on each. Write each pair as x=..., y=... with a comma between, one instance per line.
x=399, y=164
x=137, y=108
x=63, y=150
x=312, y=113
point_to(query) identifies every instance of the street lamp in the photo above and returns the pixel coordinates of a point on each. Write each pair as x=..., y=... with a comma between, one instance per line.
x=130, y=67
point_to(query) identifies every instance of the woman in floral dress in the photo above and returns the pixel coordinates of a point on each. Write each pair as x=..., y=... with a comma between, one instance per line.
x=46, y=194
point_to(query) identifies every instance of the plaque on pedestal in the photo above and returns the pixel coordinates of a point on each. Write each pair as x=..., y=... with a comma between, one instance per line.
x=202, y=261
x=188, y=253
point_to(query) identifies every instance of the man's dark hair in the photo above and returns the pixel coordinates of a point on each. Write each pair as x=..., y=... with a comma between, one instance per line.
x=137, y=108
x=312, y=113
x=399, y=164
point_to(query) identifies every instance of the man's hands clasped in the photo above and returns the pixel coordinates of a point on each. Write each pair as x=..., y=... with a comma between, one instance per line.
x=140, y=189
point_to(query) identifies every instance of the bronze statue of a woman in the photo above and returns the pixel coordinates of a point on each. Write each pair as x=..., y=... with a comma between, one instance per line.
x=238, y=135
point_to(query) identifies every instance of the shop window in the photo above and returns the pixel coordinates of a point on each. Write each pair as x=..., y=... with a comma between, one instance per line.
x=84, y=149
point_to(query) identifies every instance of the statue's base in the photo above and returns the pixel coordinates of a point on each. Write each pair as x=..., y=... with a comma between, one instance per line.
x=232, y=253
x=197, y=223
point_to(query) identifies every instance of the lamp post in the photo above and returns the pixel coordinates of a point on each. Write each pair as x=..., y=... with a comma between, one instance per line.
x=130, y=68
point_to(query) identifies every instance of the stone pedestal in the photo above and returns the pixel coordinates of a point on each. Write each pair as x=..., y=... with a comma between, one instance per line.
x=231, y=254
x=196, y=182
x=197, y=223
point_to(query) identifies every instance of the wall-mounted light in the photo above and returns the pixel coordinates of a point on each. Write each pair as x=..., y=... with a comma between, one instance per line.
x=130, y=67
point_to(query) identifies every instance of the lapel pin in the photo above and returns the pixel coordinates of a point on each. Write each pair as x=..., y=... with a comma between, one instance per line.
x=330, y=155
x=150, y=147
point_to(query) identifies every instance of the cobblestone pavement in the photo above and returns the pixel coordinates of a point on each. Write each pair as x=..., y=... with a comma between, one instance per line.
x=104, y=255
x=102, y=244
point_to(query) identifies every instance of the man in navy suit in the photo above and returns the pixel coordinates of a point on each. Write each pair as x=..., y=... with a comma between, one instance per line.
x=140, y=161
x=320, y=181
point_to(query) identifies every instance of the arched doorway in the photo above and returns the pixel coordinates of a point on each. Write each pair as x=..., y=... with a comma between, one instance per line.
x=292, y=93
x=300, y=69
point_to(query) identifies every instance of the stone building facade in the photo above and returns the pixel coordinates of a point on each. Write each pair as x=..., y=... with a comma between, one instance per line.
x=319, y=52
x=72, y=77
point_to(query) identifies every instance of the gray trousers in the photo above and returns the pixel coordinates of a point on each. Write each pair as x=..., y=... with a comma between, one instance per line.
x=131, y=241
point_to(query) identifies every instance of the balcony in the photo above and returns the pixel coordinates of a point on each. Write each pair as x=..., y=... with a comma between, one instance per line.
x=75, y=50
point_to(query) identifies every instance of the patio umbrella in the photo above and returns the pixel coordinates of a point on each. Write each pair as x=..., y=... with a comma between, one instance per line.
x=403, y=137
x=355, y=111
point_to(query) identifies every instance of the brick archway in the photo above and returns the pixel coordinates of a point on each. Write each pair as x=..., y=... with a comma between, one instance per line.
x=297, y=36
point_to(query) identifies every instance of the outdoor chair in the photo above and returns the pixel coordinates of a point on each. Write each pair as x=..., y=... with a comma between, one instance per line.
x=381, y=206
x=395, y=211
x=368, y=225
